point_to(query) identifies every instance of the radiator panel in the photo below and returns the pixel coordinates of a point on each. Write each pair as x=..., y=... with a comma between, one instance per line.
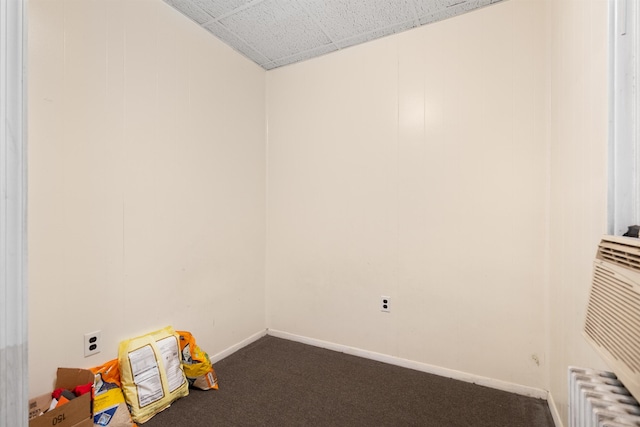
x=599, y=399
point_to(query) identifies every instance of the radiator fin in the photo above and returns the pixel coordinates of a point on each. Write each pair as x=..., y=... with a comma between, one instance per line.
x=599, y=399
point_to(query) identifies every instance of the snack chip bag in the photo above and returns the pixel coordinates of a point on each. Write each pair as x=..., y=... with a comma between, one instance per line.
x=196, y=363
x=151, y=373
x=109, y=406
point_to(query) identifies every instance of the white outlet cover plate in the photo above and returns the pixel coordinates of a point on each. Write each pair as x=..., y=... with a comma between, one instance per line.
x=87, y=343
x=385, y=304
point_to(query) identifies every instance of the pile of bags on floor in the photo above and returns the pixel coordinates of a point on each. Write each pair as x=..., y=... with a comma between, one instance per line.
x=150, y=373
x=157, y=368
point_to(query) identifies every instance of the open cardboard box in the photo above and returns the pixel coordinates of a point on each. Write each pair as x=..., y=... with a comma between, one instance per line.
x=75, y=413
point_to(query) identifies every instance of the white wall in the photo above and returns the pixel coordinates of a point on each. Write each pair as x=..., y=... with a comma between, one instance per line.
x=146, y=183
x=577, y=128
x=416, y=167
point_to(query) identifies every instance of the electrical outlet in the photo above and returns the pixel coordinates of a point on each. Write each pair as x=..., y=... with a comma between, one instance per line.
x=92, y=343
x=385, y=304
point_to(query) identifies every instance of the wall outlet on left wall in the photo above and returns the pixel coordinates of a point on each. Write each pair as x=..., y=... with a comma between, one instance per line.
x=92, y=343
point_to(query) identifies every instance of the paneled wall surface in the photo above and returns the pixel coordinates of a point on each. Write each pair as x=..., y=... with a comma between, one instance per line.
x=577, y=121
x=416, y=167
x=146, y=183
x=458, y=168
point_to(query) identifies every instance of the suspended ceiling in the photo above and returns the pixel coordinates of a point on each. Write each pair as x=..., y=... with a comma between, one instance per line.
x=273, y=33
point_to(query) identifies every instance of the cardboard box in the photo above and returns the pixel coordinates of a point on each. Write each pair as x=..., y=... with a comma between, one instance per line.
x=76, y=413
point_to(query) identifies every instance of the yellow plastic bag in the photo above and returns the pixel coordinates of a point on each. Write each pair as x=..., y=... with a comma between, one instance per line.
x=196, y=363
x=151, y=373
x=109, y=406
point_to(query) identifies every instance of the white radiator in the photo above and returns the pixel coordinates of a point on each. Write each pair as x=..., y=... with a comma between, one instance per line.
x=598, y=399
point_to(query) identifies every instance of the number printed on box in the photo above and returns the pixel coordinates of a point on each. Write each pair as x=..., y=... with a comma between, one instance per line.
x=57, y=420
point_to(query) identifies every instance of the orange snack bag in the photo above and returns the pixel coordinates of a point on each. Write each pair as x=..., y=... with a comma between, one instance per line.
x=196, y=363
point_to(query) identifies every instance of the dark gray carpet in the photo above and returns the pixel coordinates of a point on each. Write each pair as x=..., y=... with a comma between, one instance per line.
x=275, y=382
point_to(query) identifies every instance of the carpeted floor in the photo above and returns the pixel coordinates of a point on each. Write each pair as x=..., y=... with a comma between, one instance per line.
x=275, y=382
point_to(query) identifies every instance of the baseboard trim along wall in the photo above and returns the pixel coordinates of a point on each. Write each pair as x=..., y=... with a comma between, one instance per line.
x=557, y=420
x=229, y=351
x=418, y=366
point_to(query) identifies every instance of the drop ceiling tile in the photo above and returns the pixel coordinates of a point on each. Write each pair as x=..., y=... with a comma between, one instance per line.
x=437, y=16
x=362, y=38
x=428, y=7
x=217, y=8
x=235, y=42
x=191, y=10
x=306, y=55
x=456, y=8
x=449, y=8
x=273, y=33
x=276, y=28
x=343, y=19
